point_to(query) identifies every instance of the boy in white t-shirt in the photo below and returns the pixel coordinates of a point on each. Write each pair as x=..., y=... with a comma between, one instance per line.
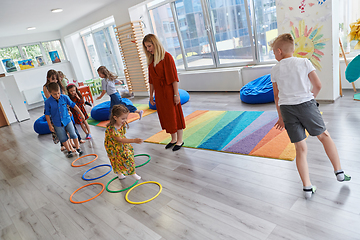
x=292, y=79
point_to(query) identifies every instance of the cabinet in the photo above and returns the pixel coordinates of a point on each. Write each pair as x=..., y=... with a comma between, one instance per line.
x=13, y=108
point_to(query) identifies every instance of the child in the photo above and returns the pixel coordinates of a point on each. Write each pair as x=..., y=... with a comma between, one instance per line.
x=77, y=98
x=62, y=78
x=56, y=107
x=118, y=147
x=292, y=79
x=108, y=86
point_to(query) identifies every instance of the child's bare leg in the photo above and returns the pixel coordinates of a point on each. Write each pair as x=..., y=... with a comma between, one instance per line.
x=87, y=127
x=84, y=127
x=332, y=153
x=140, y=112
x=330, y=149
x=76, y=142
x=301, y=162
x=67, y=146
x=303, y=169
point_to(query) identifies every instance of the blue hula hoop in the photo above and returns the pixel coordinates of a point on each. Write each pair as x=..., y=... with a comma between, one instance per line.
x=102, y=165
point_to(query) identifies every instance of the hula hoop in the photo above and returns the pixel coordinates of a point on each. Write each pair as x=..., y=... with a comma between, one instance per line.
x=122, y=190
x=127, y=199
x=92, y=154
x=143, y=154
x=102, y=165
x=103, y=187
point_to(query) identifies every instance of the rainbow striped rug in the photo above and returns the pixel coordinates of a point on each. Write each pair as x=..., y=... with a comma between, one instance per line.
x=132, y=116
x=242, y=132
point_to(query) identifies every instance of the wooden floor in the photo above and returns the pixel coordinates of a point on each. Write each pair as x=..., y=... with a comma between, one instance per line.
x=206, y=194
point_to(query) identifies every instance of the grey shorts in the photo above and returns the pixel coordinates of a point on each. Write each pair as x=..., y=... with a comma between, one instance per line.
x=302, y=116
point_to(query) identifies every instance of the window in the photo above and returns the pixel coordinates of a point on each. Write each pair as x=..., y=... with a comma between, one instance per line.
x=230, y=27
x=12, y=53
x=216, y=33
x=266, y=27
x=166, y=32
x=31, y=52
x=37, y=52
x=53, y=46
x=194, y=36
x=349, y=13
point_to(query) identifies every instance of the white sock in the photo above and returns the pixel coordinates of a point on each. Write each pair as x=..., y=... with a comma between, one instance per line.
x=340, y=175
x=309, y=191
x=121, y=176
x=140, y=114
x=137, y=177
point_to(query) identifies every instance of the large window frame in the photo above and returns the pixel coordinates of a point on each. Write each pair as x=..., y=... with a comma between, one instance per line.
x=111, y=43
x=205, y=6
x=44, y=53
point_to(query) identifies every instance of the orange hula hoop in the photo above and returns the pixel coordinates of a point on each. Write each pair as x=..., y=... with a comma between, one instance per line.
x=92, y=154
x=99, y=183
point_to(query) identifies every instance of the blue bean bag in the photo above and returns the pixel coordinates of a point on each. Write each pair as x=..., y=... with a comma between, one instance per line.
x=101, y=112
x=259, y=90
x=352, y=72
x=184, y=98
x=41, y=126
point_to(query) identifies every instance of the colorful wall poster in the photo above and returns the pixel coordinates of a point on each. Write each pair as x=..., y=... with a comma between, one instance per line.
x=309, y=42
x=54, y=56
x=40, y=61
x=9, y=65
x=26, y=64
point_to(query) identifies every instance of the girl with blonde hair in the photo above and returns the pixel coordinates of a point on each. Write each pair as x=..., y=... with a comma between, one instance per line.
x=164, y=83
x=108, y=82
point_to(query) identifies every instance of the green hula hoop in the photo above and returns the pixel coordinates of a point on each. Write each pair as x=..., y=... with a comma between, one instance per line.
x=121, y=190
x=143, y=154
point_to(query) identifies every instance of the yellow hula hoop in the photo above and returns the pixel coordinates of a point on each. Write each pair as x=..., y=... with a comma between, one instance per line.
x=127, y=194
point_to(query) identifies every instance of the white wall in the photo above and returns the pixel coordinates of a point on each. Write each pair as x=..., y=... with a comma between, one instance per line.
x=118, y=9
x=29, y=38
x=78, y=57
x=36, y=77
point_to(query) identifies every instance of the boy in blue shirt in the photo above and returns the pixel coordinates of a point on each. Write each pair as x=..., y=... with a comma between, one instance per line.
x=56, y=107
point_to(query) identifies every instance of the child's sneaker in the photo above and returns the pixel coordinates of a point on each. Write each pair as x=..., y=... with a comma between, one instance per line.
x=79, y=152
x=137, y=177
x=141, y=114
x=121, y=176
x=309, y=191
x=88, y=136
x=341, y=176
x=69, y=155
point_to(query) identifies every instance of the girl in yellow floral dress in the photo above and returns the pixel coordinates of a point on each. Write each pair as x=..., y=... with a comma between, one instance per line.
x=118, y=147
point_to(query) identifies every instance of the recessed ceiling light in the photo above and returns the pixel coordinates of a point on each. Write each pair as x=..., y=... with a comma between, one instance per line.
x=56, y=10
x=31, y=28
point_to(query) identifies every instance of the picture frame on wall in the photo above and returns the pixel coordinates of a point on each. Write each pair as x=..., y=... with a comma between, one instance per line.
x=9, y=65
x=40, y=61
x=54, y=56
x=26, y=64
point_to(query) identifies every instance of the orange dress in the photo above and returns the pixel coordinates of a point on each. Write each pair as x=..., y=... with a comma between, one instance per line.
x=162, y=76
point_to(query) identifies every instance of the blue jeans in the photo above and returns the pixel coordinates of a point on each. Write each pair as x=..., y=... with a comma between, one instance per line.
x=61, y=132
x=116, y=99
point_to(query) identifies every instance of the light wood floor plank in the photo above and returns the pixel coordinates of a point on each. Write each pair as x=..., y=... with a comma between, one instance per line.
x=29, y=226
x=10, y=233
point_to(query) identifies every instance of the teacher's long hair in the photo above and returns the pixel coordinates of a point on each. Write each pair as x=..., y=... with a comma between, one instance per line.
x=159, y=53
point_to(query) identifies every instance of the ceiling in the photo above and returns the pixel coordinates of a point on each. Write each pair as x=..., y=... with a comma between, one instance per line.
x=16, y=16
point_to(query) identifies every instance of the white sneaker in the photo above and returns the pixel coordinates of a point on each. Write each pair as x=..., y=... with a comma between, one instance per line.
x=121, y=176
x=137, y=177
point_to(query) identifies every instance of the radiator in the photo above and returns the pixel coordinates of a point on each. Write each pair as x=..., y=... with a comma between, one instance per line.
x=33, y=95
